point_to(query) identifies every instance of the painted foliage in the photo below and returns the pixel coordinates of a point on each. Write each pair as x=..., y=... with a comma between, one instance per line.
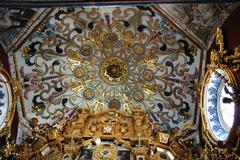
x=109, y=57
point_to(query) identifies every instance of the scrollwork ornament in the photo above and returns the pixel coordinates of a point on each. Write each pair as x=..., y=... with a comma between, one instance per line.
x=211, y=152
x=88, y=58
x=86, y=130
x=222, y=57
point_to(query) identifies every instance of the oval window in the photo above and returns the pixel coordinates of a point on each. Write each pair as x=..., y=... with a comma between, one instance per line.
x=219, y=107
x=5, y=101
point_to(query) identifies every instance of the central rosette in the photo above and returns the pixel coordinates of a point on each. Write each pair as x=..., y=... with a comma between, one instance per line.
x=114, y=70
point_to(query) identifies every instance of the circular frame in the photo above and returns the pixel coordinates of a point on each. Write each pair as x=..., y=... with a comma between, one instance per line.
x=121, y=68
x=4, y=76
x=207, y=129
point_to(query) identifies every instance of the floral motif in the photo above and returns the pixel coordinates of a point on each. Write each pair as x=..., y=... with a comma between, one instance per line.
x=74, y=65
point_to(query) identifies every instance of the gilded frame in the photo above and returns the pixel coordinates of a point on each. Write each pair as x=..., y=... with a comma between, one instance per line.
x=232, y=81
x=10, y=113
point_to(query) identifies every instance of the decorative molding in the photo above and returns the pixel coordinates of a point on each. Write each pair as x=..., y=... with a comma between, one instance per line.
x=87, y=130
x=221, y=142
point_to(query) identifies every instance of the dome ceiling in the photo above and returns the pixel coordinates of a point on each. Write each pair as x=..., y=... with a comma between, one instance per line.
x=105, y=68
x=123, y=58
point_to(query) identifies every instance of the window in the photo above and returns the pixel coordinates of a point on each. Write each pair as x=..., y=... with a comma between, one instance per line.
x=5, y=101
x=218, y=104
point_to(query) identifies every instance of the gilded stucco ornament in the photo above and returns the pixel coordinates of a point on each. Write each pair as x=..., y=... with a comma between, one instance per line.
x=114, y=70
x=219, y=104
x=122, y=80
x=221, y=57
x=102, y=135
x=105, y=151
x=10, y=92
x=123, y=58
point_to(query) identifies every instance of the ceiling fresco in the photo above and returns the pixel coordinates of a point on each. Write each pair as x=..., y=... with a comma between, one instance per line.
x=14, y=22
x=122, y=58
x=199, y=20
x=107, y=81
